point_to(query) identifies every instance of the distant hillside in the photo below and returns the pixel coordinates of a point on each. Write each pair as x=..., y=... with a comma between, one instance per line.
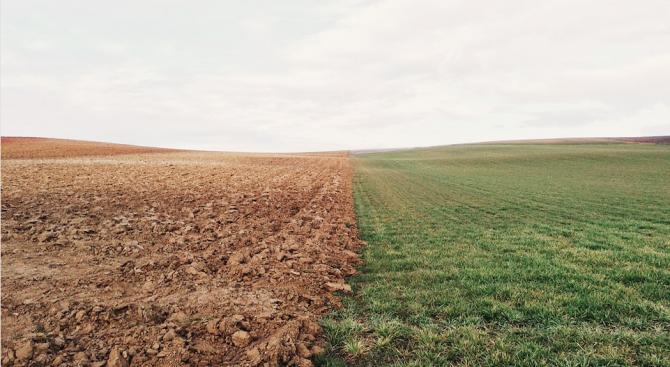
x=646, y=140
x=25, y=148
x=635, y=140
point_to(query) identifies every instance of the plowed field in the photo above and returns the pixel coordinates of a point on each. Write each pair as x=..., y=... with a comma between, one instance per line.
x=171, y=259
x=31, y=148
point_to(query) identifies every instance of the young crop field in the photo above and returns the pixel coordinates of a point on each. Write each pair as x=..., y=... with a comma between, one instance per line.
x=525, y=255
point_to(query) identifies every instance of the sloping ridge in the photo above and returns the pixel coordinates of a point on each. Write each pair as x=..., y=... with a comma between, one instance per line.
x=632, y=140
x=646, y=139
x=39, y=148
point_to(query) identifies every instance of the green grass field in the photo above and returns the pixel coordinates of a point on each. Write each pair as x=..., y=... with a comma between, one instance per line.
x=520, y=255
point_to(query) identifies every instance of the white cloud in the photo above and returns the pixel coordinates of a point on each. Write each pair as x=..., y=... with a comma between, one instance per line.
x=356, y=74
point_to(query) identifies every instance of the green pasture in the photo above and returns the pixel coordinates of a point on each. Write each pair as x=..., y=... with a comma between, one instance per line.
x=510, y=255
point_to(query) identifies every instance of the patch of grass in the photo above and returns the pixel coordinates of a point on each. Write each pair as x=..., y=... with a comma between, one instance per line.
x=525, y=255
x=339, y=331
x=355, y=347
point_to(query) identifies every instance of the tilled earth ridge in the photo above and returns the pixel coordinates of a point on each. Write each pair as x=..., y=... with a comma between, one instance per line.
x=173, y=259
x=31, y=148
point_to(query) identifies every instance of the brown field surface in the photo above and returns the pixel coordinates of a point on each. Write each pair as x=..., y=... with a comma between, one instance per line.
x=30, y=148
x=635, y=140
x=646, y=140
x=172, y=259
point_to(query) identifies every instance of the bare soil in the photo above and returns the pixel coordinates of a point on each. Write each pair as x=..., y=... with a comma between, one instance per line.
x=646, y=140
x=636, y=140
x=171, y=259
x=31, y=148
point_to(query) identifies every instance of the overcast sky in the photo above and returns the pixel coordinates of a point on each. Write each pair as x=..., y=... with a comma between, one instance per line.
x=306, y=75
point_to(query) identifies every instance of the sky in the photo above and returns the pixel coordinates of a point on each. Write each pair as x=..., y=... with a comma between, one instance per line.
x=311, y=75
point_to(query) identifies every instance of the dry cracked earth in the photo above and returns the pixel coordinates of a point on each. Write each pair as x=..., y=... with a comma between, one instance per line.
x=128, y=256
